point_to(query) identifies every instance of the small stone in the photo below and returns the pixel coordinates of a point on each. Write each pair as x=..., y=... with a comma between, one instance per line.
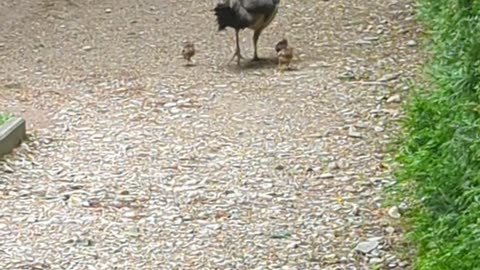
x=130, y=214
x=394, y=99
x=170, y=105
x=175, y=110
x=353, y=133
x=376, y=261
x=394, y=213
x=333, y=166
x=85, y=242
x=393, y=265
x=108, y=10
x=355, y=210
x=372, y=38
x=184, y=101
x=91, y=202
x=367, y=246
x=403, y=207
x=390, y=230
x=214, y=227
x=411, y=43
x=293, y=245
x=363, y=42
x=281, y=235
x=326, y=176
x=87, y=48
x=330, y=258
x=117, y=204
x=379, y=129
x=389, y=77
x=289, y=267
x=8, y=169
x=279, y=167
x=342, y=163
x=375, y=239
x=31, y=219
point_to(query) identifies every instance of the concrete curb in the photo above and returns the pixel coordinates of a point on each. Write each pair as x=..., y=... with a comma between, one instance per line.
x=11, y=134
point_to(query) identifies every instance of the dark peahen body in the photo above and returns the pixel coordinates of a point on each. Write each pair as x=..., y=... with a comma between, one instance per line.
x=241, y=14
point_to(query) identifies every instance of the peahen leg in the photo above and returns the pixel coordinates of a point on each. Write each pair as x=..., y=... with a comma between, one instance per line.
x=237, y=50
x=256, y=35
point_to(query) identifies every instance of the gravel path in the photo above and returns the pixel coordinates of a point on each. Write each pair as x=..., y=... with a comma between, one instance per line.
x=137, y=162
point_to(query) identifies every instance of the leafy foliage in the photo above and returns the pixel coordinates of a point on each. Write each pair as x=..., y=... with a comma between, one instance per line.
x=4, y=118
x=440, y=156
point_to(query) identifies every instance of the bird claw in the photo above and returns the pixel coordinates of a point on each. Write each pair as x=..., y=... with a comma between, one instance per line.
x=238, y=55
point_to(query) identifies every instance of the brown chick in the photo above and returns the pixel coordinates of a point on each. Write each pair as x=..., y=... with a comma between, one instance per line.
x=285, y=56
x=282, y=44
x=188, y=51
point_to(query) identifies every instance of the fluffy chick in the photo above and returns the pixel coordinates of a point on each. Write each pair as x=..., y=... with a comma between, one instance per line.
x=285, y=56
x=282, y=44
x=188, y=51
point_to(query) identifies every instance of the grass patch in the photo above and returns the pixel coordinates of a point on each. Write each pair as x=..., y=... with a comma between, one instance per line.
x=440, y=152
x=4, y=117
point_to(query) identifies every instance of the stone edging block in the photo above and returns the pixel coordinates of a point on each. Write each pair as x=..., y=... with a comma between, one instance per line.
x=12, y=133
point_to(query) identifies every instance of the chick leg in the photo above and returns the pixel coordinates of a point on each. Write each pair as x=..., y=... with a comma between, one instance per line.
x=237, y=50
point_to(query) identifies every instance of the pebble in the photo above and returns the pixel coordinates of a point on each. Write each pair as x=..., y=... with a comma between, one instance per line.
x=402, y=207
x=379, y=129
x=389, y=77
x=130, y=214
x=214, y=227
x=8, y=169
x=184, y=101
x=390, y=230
x=394, y=213
x=393, y=265
x=175, y=110
x=353, y=133
x=333, y=166
x=330, y=258
x=376, y=260
x=394, y=99
x=87, y=48
x=326, y=176
x=281, y=235
x=412, y=43
x=293, y=245
x=342, y=163
x=108, y=10
x=170, y=105
x=367, y=246
x=279, y=167
x=363, y=42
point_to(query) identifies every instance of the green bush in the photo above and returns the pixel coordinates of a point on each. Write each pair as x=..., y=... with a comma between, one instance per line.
x=440, y=154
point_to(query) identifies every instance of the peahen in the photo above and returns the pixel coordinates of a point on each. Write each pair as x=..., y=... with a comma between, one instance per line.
x=241, y=14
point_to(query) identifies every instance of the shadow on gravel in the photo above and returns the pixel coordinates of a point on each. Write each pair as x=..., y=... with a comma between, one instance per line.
x=262, y=63
x=249, y=64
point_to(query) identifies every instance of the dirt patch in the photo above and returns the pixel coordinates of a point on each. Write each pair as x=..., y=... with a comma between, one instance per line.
x=36, y=107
